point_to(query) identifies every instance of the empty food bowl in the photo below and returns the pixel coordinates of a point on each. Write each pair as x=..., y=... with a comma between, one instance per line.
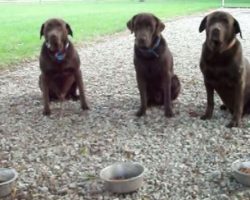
x=123, y=177
x=7, y=181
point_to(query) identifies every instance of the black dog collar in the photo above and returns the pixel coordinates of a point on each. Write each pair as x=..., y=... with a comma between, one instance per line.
x=152, y=51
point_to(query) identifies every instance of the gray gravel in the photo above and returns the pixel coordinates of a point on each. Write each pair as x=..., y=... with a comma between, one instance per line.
x=60, y=158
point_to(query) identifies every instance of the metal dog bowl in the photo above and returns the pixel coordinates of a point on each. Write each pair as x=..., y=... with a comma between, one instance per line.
x=123, y=177
x=243, y=178
x=7, y=181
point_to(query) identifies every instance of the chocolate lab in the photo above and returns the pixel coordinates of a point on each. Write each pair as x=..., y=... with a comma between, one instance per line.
x=224, y=67
x=153, y=62
x=60, y=65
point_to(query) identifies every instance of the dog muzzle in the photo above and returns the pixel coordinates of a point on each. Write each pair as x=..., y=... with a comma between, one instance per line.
x=151, y=52
x=59, y=56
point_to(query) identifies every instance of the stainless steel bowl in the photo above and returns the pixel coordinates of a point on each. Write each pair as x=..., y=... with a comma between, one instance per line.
x=241, y=177
x=7, y=181
x=123, y=177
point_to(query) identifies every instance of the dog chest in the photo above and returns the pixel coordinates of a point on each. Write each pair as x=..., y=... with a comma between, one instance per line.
x=218, y=76
x=59, y=74
x=150, y=70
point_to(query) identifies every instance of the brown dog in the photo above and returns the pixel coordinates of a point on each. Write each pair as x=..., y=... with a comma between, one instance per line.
x=60, y=65
x=224, y=68
x=153, y=62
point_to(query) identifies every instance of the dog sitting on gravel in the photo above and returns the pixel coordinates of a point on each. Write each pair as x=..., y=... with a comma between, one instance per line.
x=153, y=62
x=224, y=67
x=60, y=65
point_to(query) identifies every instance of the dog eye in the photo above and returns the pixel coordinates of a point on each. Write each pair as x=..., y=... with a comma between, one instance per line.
x=48, y=27
x=225, y=21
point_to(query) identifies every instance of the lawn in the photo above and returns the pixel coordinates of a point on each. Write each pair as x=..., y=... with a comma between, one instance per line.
x=20, y=23
x=237, y=3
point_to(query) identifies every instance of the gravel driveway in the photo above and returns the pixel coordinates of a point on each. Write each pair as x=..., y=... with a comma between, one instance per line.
x=185, y=158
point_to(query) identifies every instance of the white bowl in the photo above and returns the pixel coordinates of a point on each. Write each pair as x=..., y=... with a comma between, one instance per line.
x=241, y=177
x=7, y=181
x=123, y=177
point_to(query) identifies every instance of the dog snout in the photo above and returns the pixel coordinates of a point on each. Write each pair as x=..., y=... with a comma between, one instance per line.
x=142, y=40
x=216, y=36
x=216, y=33
x=55, y=42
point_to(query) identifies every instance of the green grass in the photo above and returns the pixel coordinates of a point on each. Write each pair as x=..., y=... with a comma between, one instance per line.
x=237, y=3
x=20, y=23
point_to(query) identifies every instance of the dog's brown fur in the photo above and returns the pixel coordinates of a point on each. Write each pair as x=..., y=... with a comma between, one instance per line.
x=156, y=80
x=224, y=68
x=60, y=77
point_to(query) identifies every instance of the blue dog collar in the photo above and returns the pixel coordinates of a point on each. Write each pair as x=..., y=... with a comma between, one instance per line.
x=60, y=56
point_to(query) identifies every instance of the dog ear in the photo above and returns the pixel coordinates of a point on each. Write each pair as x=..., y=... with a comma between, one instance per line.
x=159, y=26
x=203, y=24
x=130, y=24
x=237, y=27
x=69, y=29
x=41, y=31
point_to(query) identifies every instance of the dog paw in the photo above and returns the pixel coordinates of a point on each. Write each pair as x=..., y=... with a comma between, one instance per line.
x=205, y=117
x=75, y=97
x=223, y=107
x=140, y=112
x=169, y=114
x=233, y=123
x=46, y=112
x=85, y=107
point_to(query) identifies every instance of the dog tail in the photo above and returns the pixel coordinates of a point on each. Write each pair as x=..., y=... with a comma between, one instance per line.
x=175, y=87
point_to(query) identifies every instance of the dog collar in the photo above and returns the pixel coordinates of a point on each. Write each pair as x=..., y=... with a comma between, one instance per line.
x=59, y=55
x=152, y=51
x=231, y=44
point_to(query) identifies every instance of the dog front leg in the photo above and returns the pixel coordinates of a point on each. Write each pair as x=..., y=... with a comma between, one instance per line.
x=167, y=97
x=143, y=96
x=210, y=102
x=238, y=105
x=79, y=82
x=45, y=91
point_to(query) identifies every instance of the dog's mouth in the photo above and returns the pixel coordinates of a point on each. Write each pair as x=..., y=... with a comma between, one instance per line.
x=58, y=52
x=215, y=44
x=216, y=39
x=142, y=43
x=55, y=47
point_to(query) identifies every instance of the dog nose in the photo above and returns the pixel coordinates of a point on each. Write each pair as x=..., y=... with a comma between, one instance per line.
x=216, y=33
x=215, y=38
x=142, y=40
x=54, y=40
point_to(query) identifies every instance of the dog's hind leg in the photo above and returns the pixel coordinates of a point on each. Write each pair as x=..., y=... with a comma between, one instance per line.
x=246, y=110
x=72, y=93
x=175, y=87
x=79, y=82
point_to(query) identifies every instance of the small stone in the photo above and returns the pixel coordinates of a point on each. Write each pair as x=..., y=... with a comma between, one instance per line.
x=72, y=186
x=62, y=192
x=44, y=189
x=57, y=167
x=223, y=197
x=215, y=176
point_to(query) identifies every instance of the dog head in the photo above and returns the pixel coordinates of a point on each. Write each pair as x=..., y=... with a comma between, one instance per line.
x=146, y=27
x=221, y=29
x=56, y=33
